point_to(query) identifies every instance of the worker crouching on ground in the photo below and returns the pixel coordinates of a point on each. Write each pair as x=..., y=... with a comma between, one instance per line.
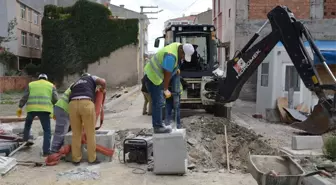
x=61, y=114
x=82, y=114
x=147, y=98
x=39, y=98
x=157, y=78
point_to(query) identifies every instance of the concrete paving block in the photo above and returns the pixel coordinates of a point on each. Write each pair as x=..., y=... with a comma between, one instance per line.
x=318, y=180
x=307, y=142
x=6, y=164
x=104, y=138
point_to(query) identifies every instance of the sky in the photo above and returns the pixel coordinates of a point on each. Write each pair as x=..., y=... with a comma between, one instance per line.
x=171, y=9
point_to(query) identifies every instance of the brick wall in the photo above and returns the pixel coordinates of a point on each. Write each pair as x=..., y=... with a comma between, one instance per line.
x=14, y=83
x=258, y=9
x=329, y=9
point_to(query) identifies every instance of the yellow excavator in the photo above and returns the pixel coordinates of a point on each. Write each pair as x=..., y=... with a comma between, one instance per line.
x=289, y=31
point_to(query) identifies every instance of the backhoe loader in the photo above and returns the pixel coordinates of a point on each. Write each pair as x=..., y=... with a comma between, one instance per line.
x=288, y=30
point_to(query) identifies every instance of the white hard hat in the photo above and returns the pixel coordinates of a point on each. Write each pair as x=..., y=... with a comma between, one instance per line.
x=43, y=76
x=188, y=51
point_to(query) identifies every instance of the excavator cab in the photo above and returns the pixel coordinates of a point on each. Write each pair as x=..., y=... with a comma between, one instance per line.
x=198, y=71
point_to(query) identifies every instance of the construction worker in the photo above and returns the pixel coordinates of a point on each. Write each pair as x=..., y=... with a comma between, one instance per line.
x=82, y=114
x=39, y=98
x=158, y=72
x=147, y=99
x=61, y=113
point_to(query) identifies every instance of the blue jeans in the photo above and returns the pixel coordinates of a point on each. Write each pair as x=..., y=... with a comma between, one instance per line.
x=173, y=103
x=156, y=93
x=45, y=122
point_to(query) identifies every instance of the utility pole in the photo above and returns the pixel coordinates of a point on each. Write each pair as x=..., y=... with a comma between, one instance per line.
x=143, y=31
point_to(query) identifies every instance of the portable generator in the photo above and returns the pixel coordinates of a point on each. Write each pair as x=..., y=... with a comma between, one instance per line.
x=139, y=149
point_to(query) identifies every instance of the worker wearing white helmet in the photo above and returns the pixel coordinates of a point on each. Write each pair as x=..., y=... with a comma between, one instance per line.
x=39, y=99
x=158, y=72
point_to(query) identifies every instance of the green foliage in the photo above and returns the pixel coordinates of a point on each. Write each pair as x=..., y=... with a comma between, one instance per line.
x=330, y=147
x=76, y=36
x=32, y=69
x=7, y=58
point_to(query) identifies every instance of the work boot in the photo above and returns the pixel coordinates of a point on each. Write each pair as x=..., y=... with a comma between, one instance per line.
x=29, y=143
x=162, y=130
x=76, y=163
x=94, y=162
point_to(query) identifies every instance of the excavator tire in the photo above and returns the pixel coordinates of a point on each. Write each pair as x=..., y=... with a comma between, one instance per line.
x=319, y=122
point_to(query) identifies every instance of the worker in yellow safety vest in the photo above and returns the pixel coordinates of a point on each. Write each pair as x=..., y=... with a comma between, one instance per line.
x=158, y=72
x=39, y=98
x=61, y=113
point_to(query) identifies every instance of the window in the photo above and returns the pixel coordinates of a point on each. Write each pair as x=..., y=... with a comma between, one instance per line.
x=264, y=74
x=214, y=7
x=227, y=53
x=29, y=15
x=229, y=12
x=23, y=12
x=35, y=16
x=23, y=38
x=292, y=76
x=31, y=40
x=37, y=42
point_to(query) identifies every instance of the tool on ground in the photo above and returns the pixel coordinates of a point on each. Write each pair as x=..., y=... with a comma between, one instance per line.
x=277, y=170
x=31, y=163
x=54, y=159
x=139, y=149
x=291, y=32
x=227, y=149
x=19, y=148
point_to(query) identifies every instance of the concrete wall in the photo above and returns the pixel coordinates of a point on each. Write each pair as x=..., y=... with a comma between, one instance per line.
x=250, y=17
x=204, y=17
x=121, y=68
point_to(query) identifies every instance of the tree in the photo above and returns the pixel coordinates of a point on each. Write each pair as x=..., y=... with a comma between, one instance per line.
x=6, y=57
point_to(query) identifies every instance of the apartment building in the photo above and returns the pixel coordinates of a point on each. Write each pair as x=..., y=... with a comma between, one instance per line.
x=237, y=21
x=27, y=32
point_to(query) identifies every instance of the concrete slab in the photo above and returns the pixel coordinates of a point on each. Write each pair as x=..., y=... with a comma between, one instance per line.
x=318, y=180
x=302, y=153
x=105, y=138
x=6, y=164
x=307, y=142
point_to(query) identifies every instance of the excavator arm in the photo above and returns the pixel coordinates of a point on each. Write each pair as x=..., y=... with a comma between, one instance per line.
x=289, y=31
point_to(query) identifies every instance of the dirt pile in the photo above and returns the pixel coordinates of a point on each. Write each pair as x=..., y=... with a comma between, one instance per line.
x=206, y=143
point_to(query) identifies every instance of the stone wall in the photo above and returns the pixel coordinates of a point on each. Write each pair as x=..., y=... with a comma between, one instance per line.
x=14, y=83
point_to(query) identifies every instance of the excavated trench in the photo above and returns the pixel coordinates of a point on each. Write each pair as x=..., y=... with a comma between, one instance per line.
x=206, y=143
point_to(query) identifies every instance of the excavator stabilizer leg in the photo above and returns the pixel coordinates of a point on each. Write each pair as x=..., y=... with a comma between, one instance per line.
x=319, y=122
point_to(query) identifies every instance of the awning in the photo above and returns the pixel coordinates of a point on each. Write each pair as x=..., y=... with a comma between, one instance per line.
x=329, y=55
x=326, y=47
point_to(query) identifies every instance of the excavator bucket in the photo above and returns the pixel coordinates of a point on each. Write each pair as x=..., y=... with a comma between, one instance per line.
x=319, y=122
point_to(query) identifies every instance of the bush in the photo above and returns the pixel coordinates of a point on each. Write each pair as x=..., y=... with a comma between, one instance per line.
x=74, y=37
x=330, y=147
x=32, y=69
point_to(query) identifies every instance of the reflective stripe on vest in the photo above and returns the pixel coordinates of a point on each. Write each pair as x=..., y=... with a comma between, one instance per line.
x=40, y=95
x=156, y=66
x=63, y=102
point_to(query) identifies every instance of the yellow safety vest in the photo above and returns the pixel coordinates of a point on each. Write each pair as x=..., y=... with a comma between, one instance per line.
x=63, y=102
x=153, y=69
x=40, y=95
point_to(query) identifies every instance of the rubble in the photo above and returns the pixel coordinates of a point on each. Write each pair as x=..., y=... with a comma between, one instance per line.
x=206, y=143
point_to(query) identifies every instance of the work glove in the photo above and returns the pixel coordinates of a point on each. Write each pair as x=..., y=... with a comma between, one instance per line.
x=54, y=117
x=167, y=93
x=178, y=71
x=19, y=112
